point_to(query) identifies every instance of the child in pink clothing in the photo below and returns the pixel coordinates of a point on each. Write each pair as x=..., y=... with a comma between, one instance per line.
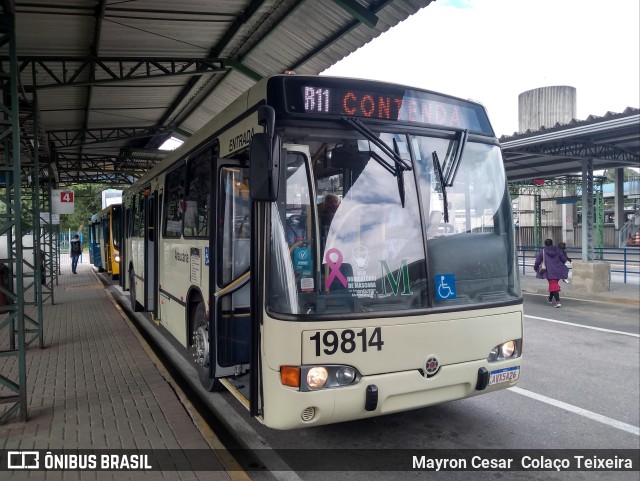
x=554, y=292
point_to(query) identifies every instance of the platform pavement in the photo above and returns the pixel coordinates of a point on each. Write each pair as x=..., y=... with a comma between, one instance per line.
x=619, y=293
x=95, y=387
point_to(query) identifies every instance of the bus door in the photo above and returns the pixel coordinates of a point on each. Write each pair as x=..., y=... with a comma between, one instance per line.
x=229, y=259
x=104, y=244
x=122, y=220
x=150, y=254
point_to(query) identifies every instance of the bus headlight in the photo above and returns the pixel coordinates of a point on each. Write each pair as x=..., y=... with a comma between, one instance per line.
x=506, y=350
x=313, y=378
x=116, y=258
x=317, y=377
x=345, y=375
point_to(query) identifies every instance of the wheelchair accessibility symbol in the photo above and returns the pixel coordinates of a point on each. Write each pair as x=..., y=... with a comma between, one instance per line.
x=445, y=287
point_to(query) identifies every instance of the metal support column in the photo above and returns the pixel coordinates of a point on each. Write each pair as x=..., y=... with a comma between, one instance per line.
x=537, y=221
x=48, y=241
x=619, y=217
x=32, y=253
x=599, y=207
x=588, y=214
x=14, y=374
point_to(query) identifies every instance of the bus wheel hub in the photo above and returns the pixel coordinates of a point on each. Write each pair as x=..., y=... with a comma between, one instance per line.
x=201, y=345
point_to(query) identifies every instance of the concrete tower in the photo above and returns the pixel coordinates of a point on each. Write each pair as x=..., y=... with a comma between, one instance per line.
x=546, y=106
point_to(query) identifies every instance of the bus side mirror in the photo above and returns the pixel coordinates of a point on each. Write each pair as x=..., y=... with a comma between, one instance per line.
x=264, y=163
x=264, y=167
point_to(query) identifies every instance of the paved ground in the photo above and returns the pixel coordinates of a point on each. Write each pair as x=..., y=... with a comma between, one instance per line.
x=619, y=293
x=94, y=386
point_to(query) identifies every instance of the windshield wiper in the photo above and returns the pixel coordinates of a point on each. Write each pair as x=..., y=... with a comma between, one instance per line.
x=400, y=165
x=450, y=169
x=399, y=174
x=447, y=172
x=443, y=188
x=381, y=144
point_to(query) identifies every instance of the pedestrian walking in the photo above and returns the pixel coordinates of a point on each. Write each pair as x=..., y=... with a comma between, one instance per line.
x=76, y=252
x=550, y=265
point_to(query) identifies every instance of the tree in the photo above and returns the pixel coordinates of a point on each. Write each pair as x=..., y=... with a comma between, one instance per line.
x=88, y=201
x=610, y=174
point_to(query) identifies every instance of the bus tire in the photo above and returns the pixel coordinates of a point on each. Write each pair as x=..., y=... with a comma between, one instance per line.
x=199, y=346
x=135, y=306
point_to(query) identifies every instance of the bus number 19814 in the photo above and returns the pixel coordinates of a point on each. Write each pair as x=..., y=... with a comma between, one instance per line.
x=347, y=341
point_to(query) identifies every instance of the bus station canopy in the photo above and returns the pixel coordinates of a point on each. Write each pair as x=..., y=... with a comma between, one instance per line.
x=104, y=84
x=610, y=141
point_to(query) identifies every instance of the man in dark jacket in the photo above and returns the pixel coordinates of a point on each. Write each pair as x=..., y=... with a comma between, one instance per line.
x=554, y=260
x=76, y=252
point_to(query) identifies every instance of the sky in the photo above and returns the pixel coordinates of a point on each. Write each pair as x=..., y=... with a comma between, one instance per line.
x=490, y=51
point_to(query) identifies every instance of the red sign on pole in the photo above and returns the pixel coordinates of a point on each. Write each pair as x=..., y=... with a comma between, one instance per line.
x=66, y=196
x=62, y=202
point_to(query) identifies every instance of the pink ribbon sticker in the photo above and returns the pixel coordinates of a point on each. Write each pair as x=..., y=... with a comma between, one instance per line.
x=334, y=266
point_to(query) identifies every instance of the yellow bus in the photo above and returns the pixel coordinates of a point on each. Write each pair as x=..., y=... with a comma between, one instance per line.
x=333, y=249
x=105, y=240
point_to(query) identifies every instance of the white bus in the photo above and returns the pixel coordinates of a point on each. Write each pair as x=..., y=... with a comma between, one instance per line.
x=311, y=314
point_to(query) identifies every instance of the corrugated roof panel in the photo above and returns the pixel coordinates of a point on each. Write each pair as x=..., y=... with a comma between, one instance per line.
x=116, y=96
x=230, y=89
x=62, y=119
x=123, y=117
x=62, y=108
x=168, y=8
x=258, y=27
x=591, y=119
x=54, y=34
x=61, y=99
x=158, y=38
x=166, y=28
x=300, y=34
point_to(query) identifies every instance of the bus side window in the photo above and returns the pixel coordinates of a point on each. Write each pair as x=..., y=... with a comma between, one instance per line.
x=196, y=215
x=174, y=205
x=137, y=208
x=234, y=213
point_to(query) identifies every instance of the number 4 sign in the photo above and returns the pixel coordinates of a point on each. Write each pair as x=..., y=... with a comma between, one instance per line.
x=62, y=202
x=66, y=196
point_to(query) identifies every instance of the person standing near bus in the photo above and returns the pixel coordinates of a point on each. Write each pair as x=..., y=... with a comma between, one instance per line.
x=555, y=269
x=76, y=252
x=563, y=247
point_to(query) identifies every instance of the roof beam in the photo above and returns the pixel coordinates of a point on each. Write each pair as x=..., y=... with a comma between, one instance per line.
x=65, y=139
x=113, y=178
x=252, y=74
x=577, y=150
x=359, y=11
x=114, y=69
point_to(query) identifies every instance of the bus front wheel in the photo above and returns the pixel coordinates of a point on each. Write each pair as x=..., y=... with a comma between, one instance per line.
x=200, y=347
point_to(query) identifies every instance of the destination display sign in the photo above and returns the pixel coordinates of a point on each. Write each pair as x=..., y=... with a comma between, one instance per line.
x=379, y=101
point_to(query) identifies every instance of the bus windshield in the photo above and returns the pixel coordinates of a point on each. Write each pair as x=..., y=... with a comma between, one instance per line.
x=352, y=237
x=115, y=225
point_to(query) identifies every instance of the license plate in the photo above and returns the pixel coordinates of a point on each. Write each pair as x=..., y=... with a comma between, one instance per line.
x=504, y=375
